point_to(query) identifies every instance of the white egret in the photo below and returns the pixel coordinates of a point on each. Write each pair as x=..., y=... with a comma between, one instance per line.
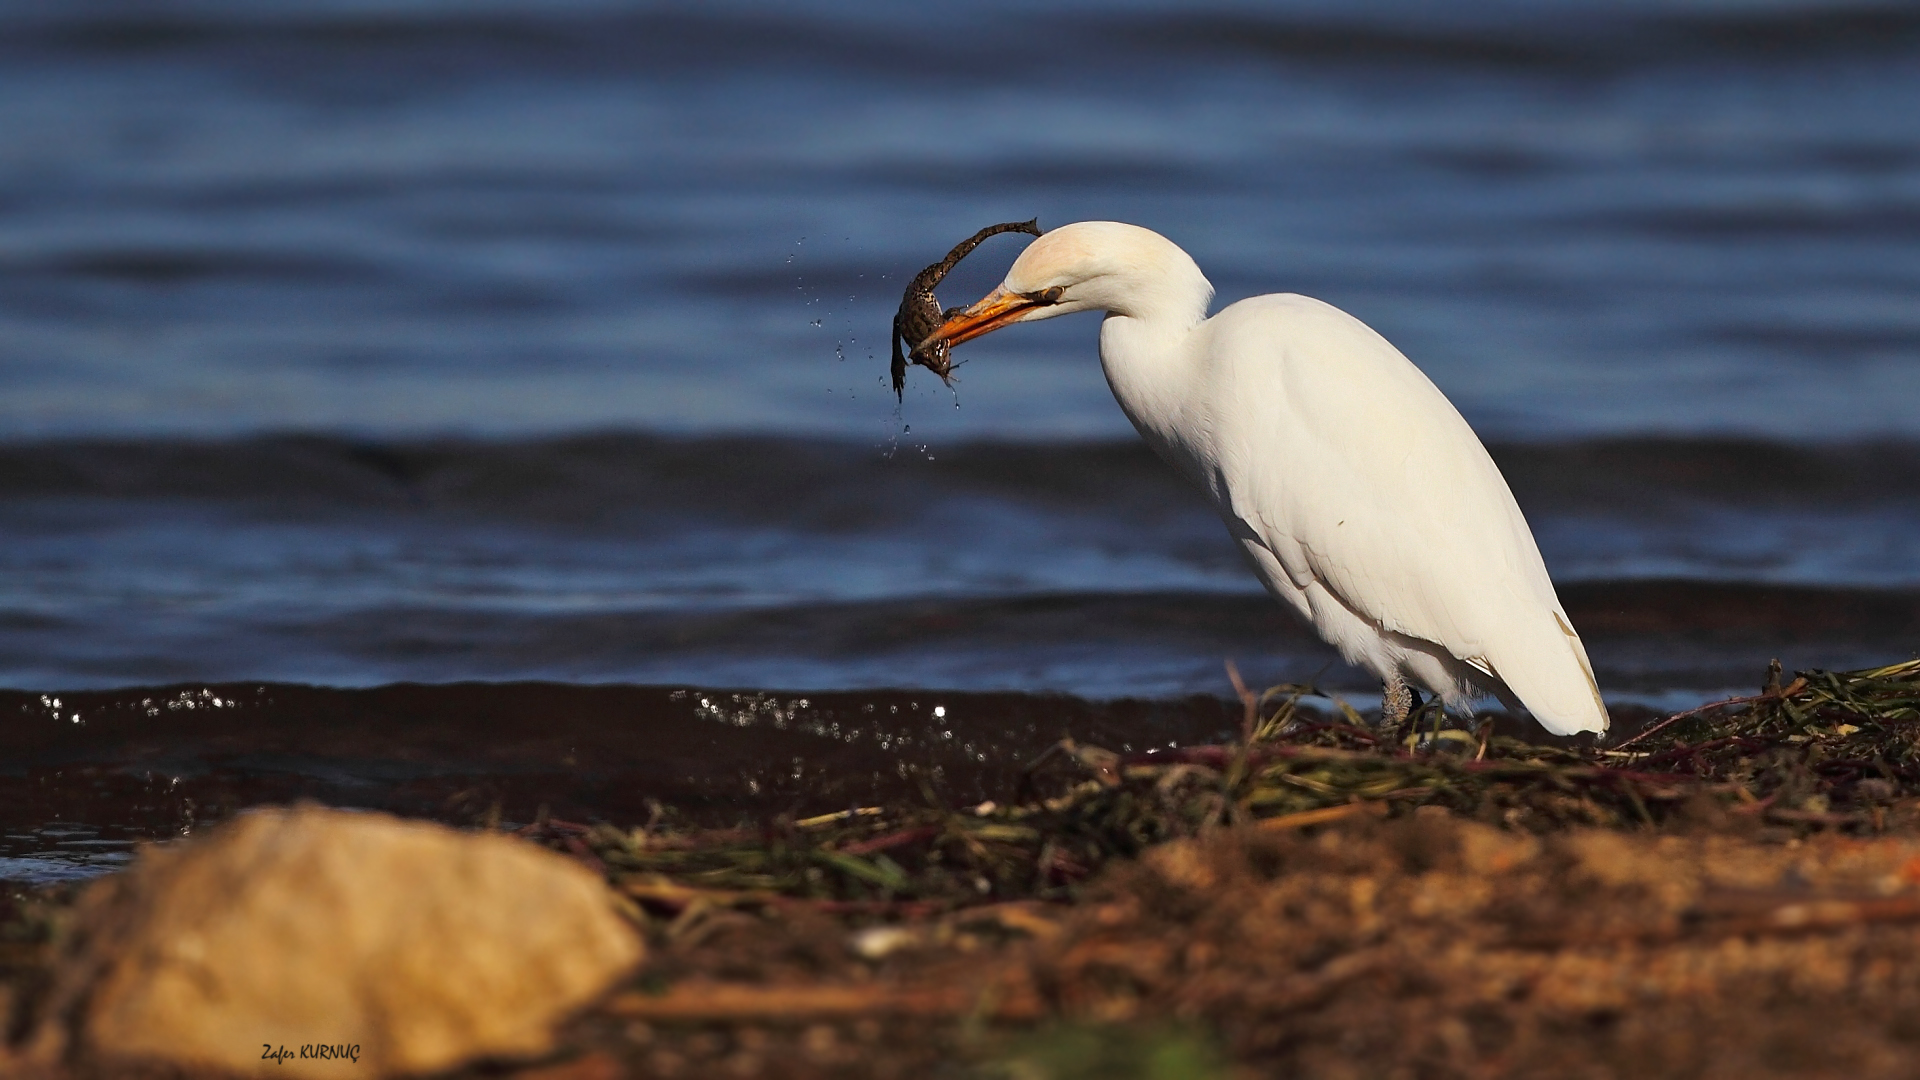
x=1360, y=495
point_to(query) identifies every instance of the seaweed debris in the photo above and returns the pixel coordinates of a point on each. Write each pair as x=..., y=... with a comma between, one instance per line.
x=1705, y=898
x=1829, y=750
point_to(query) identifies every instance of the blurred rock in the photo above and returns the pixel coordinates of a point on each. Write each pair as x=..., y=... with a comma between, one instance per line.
x=319, y=943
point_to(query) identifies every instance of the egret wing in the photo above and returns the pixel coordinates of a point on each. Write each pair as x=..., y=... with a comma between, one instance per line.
x=1352, y=467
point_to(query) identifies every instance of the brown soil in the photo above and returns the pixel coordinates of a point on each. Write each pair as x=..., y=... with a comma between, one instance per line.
x=1423, y=946
x=1426, y=946
x=1732, y=893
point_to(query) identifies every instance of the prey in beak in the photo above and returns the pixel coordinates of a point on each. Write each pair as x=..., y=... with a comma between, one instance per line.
x=995, y=310
x=918, y=321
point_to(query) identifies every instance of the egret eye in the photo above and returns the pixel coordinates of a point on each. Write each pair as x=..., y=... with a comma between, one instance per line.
x=1053, y=295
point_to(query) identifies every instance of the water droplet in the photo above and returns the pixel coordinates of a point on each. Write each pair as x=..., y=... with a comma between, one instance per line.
x=815, y=322
x=907, y=430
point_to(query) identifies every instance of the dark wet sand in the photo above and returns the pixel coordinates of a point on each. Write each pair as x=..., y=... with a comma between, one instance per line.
x=150, y=763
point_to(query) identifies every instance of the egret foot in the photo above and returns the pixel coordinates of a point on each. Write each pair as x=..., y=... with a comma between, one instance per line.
x=1399, y=703
x=1396, y=702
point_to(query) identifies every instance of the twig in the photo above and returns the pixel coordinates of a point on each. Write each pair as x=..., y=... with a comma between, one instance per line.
x=842, y=815
x=1790, y=917
x=581, y=851
x=676, y=897
x=1322, y=815
x=1816, y=817
x=1679, y=716
x=732, y=1001
x=892, y=840
x=1251, y=721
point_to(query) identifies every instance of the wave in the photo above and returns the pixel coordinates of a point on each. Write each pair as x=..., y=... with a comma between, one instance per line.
x=849, y=483
x=458, y=40
x=1562, y=39
x=1752, y=613
x=1645, y=637
x=792, y=562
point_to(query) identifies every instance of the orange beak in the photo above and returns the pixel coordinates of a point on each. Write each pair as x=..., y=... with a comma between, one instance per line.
x=996, y=310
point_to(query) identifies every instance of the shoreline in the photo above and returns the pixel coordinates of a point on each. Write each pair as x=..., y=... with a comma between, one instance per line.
x=1296, y=897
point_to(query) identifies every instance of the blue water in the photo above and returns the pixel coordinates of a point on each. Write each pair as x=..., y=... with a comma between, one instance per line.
x=801, y=563
x=1578, y=217
x=391, y=225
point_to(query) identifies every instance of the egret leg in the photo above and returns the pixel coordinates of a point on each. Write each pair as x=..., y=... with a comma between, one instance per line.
x=1396, y=701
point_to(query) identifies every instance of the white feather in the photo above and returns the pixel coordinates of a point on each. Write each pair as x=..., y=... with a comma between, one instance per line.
x=1360, y=495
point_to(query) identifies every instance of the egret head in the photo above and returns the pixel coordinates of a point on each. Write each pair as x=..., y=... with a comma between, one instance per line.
x=1089, y=266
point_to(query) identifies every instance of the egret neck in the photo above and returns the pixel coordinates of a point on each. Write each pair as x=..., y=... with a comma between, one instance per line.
x=1153, y=359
